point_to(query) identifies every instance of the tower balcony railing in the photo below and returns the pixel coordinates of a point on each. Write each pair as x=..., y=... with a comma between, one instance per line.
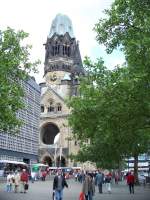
x=53, y=114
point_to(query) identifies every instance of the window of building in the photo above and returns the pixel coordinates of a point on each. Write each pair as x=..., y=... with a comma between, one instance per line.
x=59, y=107
x=63, y=49
x=66, y=50
x=42, y=108
x=50, y=107
x=55, y=49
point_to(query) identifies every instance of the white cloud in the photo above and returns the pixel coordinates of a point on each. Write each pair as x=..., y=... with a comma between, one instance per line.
x=35, y=17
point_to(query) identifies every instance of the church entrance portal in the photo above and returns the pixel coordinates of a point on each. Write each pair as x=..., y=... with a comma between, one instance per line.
x=47, y=160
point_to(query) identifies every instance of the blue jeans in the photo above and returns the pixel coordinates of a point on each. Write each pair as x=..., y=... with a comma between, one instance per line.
x=58, y=194
x=9, y=187
x=89, y=196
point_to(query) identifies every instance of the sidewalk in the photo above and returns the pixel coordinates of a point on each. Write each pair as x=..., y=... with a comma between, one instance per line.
x=42, y=190
x=121, y=192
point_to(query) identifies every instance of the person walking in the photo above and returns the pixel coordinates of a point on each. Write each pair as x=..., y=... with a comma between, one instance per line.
x=24, y=178
x=16, y=181
x=99, y=181
x=130, y=182
x=44, y=173
x=9, y=183
x=108, y=183
x=88, y=187
x=58, y=185
x=33, y=176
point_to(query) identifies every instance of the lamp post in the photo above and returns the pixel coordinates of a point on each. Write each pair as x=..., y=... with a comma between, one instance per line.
x=56, y=140
x=55, y=156
x=60, y=153
x=60, y=150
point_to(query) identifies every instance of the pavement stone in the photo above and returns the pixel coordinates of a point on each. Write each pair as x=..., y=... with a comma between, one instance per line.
x=43, y=191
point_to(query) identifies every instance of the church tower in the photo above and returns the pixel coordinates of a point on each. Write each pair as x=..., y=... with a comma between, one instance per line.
x=62, y=68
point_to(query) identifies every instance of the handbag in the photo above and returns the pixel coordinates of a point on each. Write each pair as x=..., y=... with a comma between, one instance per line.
x=82, y=196
x=26, y=186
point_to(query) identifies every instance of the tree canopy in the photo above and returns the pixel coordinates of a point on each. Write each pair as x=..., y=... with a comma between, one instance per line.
x=15, y=66
x=108, y=113
x=113, y=109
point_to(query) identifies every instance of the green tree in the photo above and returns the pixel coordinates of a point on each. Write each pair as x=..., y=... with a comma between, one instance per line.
x=95, y=116
x=111, y=114
x=113, y=110
x=15, y=67
x=127, y=27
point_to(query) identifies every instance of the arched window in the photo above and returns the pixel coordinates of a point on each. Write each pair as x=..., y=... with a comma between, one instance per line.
x=63, y=49
x=42, y=108
x=59, y=107
x=66, y=50
x=50, y=108
x=55, y=49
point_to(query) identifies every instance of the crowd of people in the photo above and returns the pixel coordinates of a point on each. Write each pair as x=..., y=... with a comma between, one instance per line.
x=89, y=181
x=19, y=182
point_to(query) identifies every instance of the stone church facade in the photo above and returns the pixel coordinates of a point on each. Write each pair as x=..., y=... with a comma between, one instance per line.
x=62, y=69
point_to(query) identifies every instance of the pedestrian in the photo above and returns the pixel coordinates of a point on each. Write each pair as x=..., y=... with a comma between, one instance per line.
x=58, y=185
x=130, y=182
x=16, y=181
x=44, y=175
x=108, y=183
x=99, y=181
x=33, y=176
x=76, y=176
x=24, y=178
x=88, y=187
x=116, y=178
x=9, y=183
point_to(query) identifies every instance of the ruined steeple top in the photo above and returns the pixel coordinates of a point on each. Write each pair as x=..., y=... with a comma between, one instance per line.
x=60, y=25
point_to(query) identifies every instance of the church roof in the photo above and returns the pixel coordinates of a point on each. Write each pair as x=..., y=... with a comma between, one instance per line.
x=49, y=89
x=61, y=24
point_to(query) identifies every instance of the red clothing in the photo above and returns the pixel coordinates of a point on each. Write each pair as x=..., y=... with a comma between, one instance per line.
x=24, y=177
x=81, y=197
x=130, y=179
x=44, y=174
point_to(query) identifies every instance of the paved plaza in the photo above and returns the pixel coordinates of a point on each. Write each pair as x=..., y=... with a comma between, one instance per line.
x=43, y=191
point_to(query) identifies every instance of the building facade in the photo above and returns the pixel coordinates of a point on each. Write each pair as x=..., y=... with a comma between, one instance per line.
x=143, y=164
x=24, y=145
x=62, y=69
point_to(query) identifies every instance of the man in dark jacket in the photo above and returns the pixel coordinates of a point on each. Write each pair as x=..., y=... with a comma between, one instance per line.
x=99, y=181
x=58, y=185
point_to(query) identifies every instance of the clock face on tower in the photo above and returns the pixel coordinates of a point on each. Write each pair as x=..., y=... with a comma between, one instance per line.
x=53, y=77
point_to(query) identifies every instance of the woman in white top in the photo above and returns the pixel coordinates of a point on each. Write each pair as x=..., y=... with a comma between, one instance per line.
x=10, y=177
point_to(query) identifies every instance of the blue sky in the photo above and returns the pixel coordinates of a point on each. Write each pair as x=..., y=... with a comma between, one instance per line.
x=35, y=17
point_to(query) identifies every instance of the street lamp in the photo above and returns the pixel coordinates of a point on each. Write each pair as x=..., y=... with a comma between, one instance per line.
x=56, y=140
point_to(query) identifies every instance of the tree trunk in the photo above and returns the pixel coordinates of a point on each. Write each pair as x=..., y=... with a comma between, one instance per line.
x=136, y=169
